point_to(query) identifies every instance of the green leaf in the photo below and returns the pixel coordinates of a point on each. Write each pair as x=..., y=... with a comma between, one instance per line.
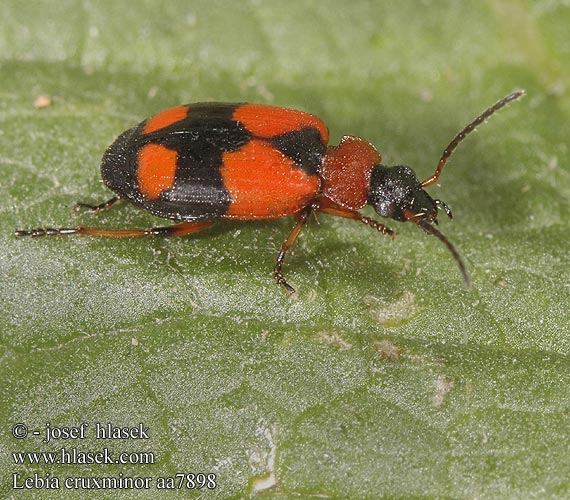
x=382, y=376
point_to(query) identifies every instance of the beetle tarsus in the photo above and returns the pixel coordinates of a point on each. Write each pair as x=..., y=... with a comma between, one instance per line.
x=45, y=231
x=278, y=273
x=77, y=206
x=381, y=228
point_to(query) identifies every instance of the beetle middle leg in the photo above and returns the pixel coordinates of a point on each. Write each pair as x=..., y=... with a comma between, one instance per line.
x=106, y=205
x=301, y=219
x=181, y=229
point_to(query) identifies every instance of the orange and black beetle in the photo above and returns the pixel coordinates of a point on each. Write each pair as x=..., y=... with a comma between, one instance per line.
x=204, y=162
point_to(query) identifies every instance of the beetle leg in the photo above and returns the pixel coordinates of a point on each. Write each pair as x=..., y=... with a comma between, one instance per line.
x=330, y=207
x=96, y=208
x=181, y=229
x=301, y=220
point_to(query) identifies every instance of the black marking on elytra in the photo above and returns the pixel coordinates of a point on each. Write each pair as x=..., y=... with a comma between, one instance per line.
x=304, y=146
x=199, y=140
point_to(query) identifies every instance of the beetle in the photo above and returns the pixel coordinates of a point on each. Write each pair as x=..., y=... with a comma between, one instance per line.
x=200, y=163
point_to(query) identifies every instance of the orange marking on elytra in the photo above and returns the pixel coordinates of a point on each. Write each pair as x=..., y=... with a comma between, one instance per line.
x=156, y=170
x=263, y=183
x=165, y=118
x=268, y=121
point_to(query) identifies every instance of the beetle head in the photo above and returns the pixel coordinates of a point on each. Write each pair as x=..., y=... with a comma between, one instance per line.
x=396, y=193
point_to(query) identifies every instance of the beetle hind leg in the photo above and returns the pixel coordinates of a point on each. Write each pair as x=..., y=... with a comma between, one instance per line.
x=181, y=229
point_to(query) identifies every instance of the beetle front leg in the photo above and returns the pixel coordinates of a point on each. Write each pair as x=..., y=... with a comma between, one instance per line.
x=301, y=219
x=330, y=207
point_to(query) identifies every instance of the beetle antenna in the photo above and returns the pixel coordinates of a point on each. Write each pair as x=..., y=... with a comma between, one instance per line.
x=429, y=228
x=467, y=130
